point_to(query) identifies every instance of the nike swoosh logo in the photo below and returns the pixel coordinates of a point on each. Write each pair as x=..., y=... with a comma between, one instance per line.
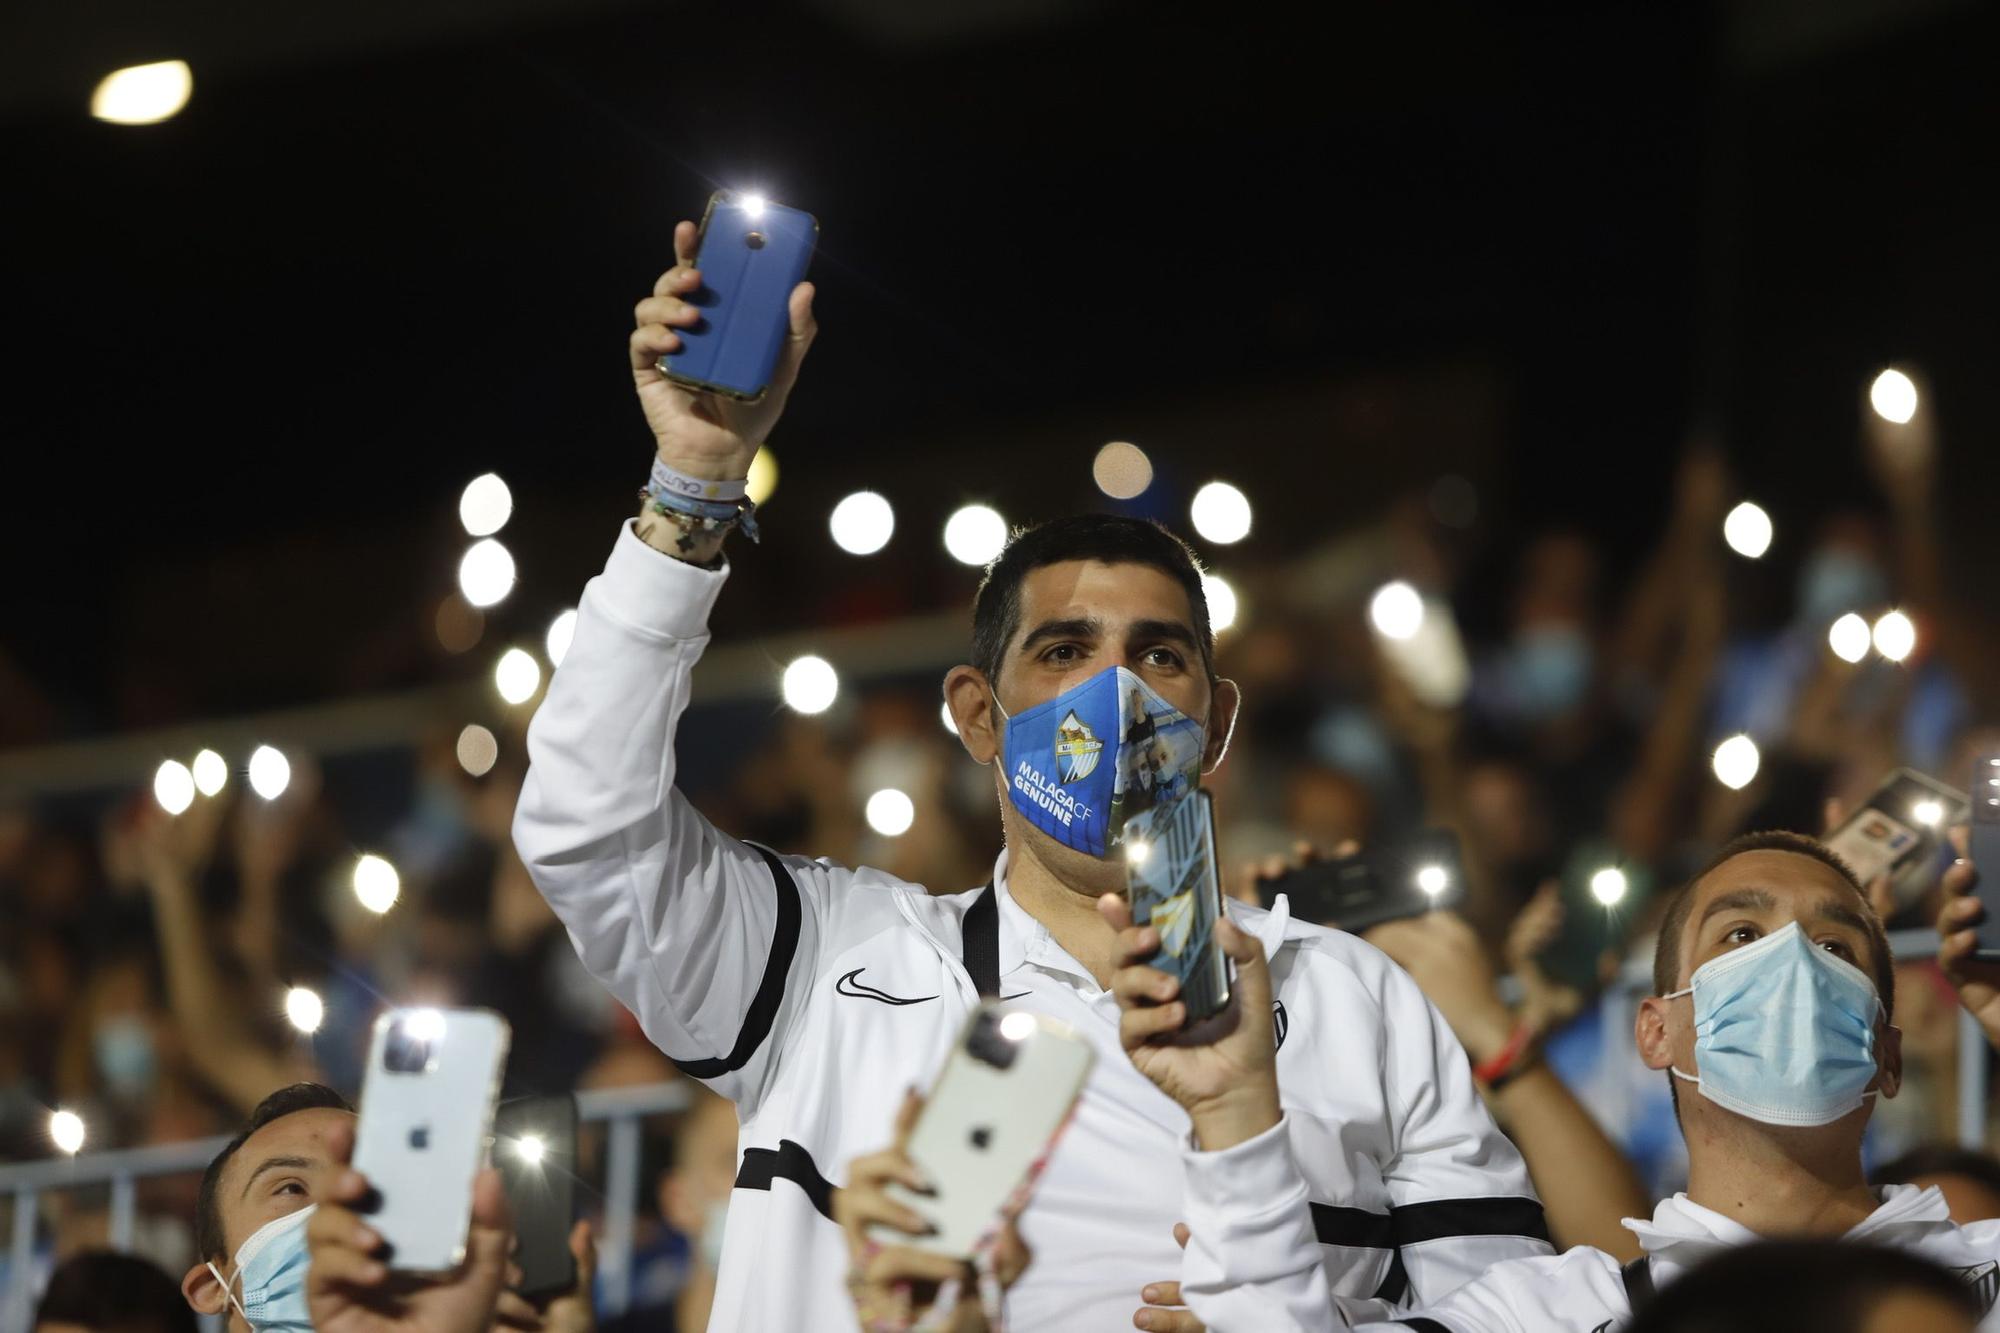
x=1017, y=995
x=848, y=986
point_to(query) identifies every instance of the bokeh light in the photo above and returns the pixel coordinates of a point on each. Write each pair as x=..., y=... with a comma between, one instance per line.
x=517, y=675
x=173, y=786
x=762, y=480
x=376, y=883
x=304, y=1009
x=486, y=573
x=485, y=505
x=1895, y=636
x=1396, y=610
x=561, y=630
x=1609, y=885
x=1221, y=513
x=211, y=773
x=477, y=750
x=1893, y=395
x=270, y=772
x=1735, y=762
x=1848, y=637
x=143, y=94
x=1122, y=470
x=1222, y=608
x=862, y=523
x=891, y=812
x=975, y=534
x=1748, y=530
x=810, y=685
x=66, y=1131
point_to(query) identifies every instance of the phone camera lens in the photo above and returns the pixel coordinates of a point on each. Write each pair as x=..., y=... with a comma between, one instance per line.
x=988, y=1045
x=755, y=240
x=405, y=1052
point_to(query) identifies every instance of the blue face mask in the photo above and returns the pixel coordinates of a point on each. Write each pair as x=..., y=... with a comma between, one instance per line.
x=123, y=1049
x=1097, y=755
x=1548, y=671
x=271, y=1266
x=1835, y=581
x=1784, y=1031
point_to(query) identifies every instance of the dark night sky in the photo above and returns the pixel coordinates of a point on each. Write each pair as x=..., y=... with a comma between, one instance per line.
x=280, y=331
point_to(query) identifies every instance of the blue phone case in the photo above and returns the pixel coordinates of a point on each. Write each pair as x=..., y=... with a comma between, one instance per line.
x=751, y=254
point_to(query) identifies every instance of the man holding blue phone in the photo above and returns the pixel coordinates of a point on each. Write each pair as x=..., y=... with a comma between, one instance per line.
x=813, y=995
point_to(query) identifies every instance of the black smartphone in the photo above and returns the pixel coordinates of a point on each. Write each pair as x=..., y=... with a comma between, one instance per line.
x=535, y=1149
x=1419, y=874
x=1985, y=851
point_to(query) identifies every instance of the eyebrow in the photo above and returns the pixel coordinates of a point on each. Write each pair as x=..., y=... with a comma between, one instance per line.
x=1081, y=627
x=1738, y=900
x=274, y=1164
x=1090, y=627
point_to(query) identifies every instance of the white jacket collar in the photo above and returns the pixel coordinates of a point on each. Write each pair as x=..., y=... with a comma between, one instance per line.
x=1682, y=1232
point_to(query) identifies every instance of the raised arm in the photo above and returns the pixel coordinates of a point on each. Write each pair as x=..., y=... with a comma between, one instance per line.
x=696, y=933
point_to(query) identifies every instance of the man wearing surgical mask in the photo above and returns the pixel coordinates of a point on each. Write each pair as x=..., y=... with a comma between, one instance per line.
x=813, y=995
x=1772, y=1015
x=281, y=1252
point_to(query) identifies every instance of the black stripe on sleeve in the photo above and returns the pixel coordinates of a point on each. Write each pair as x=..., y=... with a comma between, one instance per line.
x=1441, y=1219
x=788, y=1161
x=1423, y=1325
x=770, y=990
x=1335, y=1225
x=981, y=933
x=1436, y=1219
x=1396, y=1282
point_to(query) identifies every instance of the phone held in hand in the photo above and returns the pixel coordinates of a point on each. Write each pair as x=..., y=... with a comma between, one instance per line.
x=1173, y=885
x=534, y=1145
x=989, y=1124
x=1355, y=893
x=1901, y=831
x=751, y=254
x=427, y=1103
x=1984, y=849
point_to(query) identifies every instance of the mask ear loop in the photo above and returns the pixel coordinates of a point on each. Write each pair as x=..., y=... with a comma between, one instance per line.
x=228, y=1294
x=1228, y=736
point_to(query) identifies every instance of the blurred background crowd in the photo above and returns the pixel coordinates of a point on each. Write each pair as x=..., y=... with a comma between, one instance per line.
x=1642, y=509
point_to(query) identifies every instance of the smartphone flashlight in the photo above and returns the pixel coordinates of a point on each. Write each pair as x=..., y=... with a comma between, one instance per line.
x=1433, y=880
x=531, y=1149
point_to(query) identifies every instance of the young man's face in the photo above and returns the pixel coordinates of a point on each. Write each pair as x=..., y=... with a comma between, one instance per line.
x=1743, y=900
x=273, y=1174
x=1077, y=618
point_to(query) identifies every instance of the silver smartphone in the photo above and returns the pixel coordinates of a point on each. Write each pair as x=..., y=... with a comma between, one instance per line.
x=1174, y=886
x=989, y=1123
x=427, y=1102
x=1900, y=831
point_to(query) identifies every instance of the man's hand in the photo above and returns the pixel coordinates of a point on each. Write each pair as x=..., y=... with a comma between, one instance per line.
x=1227, y=1084
x=701, y=434
x=1444, y=957
x=349, y=1289
x=893, y=1284
x=1164, y=1311
x=1977, y=983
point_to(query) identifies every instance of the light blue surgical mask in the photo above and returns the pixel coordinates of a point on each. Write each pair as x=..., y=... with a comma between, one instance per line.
x=1834, y=581
x=271, y=1267
x=1548, y=671
x=123, y=1049
x=1097, y=755
x=1784, y=1032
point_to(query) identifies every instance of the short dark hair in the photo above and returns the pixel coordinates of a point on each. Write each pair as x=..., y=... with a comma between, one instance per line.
x=99, y=1289
x=1111, y=539
x=1939, y=1159
x=1827, y=1286
x=208, y=1237
x=1667, y=951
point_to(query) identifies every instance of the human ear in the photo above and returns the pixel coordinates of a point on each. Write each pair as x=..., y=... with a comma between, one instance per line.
x=969, y=697
x=1225, y=702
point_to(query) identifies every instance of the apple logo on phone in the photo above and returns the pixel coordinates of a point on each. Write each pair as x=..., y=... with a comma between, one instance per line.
x=982, y=1137
x=420, y=1137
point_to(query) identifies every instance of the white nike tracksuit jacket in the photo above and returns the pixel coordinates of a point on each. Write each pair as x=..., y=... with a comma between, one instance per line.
x=812, y=995
x=1587, y=1291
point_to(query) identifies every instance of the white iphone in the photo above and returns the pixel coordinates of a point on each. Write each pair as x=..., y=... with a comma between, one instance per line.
x=990, y=1121
x=427, y=1104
